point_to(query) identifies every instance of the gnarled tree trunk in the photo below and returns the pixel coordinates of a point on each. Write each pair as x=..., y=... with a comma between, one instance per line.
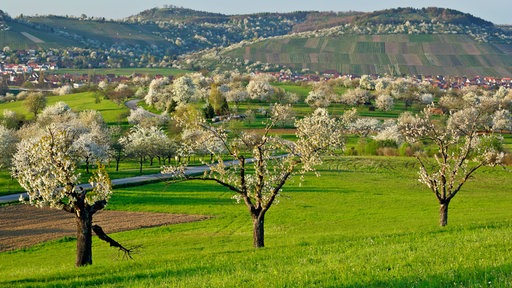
x=83, y=238
x=258, y=230
x=443, y=213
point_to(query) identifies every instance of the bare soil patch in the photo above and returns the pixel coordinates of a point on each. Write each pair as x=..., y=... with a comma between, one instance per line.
x=24, y=226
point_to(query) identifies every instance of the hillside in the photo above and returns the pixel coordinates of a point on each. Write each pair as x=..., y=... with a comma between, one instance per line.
x=455, y=55
x=428, y=41
x=402, y=40
x=430, y=14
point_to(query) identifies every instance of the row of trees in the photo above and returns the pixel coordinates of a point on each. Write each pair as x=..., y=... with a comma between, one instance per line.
x=223, y=93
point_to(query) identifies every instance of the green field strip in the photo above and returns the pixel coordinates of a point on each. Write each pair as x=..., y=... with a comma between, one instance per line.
x=312, y=43
x=370, y=47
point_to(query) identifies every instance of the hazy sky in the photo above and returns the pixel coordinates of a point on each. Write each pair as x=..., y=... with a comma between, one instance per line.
x=496, y=11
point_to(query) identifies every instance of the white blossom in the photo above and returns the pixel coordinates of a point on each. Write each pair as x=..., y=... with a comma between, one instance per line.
x=427, y=98
x=502, y=120
x=64, y=90
x=384, y=102
x=355, y=97
x=8, y=141
x=183, y=89
x=260, y=88
x=392, y=133
x=45, y=168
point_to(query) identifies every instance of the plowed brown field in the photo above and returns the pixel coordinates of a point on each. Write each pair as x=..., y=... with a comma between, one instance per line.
x=23, y=225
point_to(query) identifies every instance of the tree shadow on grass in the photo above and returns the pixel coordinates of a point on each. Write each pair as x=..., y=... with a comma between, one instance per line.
x=499, y=276
x=483, y=277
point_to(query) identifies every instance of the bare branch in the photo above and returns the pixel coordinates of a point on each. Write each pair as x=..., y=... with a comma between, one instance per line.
x=101, y=234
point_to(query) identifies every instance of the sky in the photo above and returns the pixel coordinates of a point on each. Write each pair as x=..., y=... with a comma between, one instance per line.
x=496, y=11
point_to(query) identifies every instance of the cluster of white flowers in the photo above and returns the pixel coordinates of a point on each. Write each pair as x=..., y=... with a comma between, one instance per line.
x=64, y=90
x=183, y=90
x=141, y=116
x=390, y=132
x=384, y=102
x=8, y=141
x=45, y=168
x=317, y=134
x=260, y=88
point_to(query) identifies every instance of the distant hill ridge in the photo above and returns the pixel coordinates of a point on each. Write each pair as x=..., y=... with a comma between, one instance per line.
x=430, y=14
x=177, y=14
x=158, y=36
x=4, y=17
x=313, y=19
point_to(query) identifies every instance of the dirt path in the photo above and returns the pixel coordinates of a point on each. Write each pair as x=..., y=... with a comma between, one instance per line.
x=32, y=37
x=23, y=225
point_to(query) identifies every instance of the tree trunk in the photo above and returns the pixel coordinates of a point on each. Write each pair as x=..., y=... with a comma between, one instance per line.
x=443, y=213
x=83, y=238
x=87, y=165
x=258, y=230
x=140, y=167
x=117, y=164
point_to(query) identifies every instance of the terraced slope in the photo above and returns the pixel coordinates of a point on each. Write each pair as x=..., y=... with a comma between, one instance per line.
x=426, y=54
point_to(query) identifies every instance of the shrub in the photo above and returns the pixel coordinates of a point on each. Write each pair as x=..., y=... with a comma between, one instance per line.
x=507, y=160
x=409, y=150
x=387, y=151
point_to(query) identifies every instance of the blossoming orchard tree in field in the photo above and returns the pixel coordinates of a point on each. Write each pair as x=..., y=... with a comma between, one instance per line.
x=45, y=167
x=262, y=163
x=465, y=142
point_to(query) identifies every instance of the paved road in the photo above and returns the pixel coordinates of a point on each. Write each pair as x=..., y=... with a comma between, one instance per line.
x=132, y=104
x=191, y=170
x=124, y=181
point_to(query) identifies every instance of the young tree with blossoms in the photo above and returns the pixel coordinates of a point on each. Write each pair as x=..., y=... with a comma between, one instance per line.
x=183, y=90
x=259, y=88
x=273, y=160
x=384, y=102
x=463, y=146
x=46, y=169
x=144, y=142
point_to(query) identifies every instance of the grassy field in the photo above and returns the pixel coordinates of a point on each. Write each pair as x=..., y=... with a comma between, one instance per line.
x=366, y=223
x=111, y=112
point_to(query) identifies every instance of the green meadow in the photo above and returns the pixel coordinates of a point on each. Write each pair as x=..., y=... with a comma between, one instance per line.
x=112, y=113
x=366, y=222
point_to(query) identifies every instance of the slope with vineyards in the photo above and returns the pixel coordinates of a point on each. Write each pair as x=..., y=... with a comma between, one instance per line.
x=395, y=41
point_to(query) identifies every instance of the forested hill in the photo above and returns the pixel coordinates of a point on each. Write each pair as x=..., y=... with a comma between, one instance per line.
x=184, y=15
x=431, y=14
x=3, y=20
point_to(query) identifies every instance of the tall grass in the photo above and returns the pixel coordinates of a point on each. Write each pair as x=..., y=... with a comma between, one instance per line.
x=366, y=222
